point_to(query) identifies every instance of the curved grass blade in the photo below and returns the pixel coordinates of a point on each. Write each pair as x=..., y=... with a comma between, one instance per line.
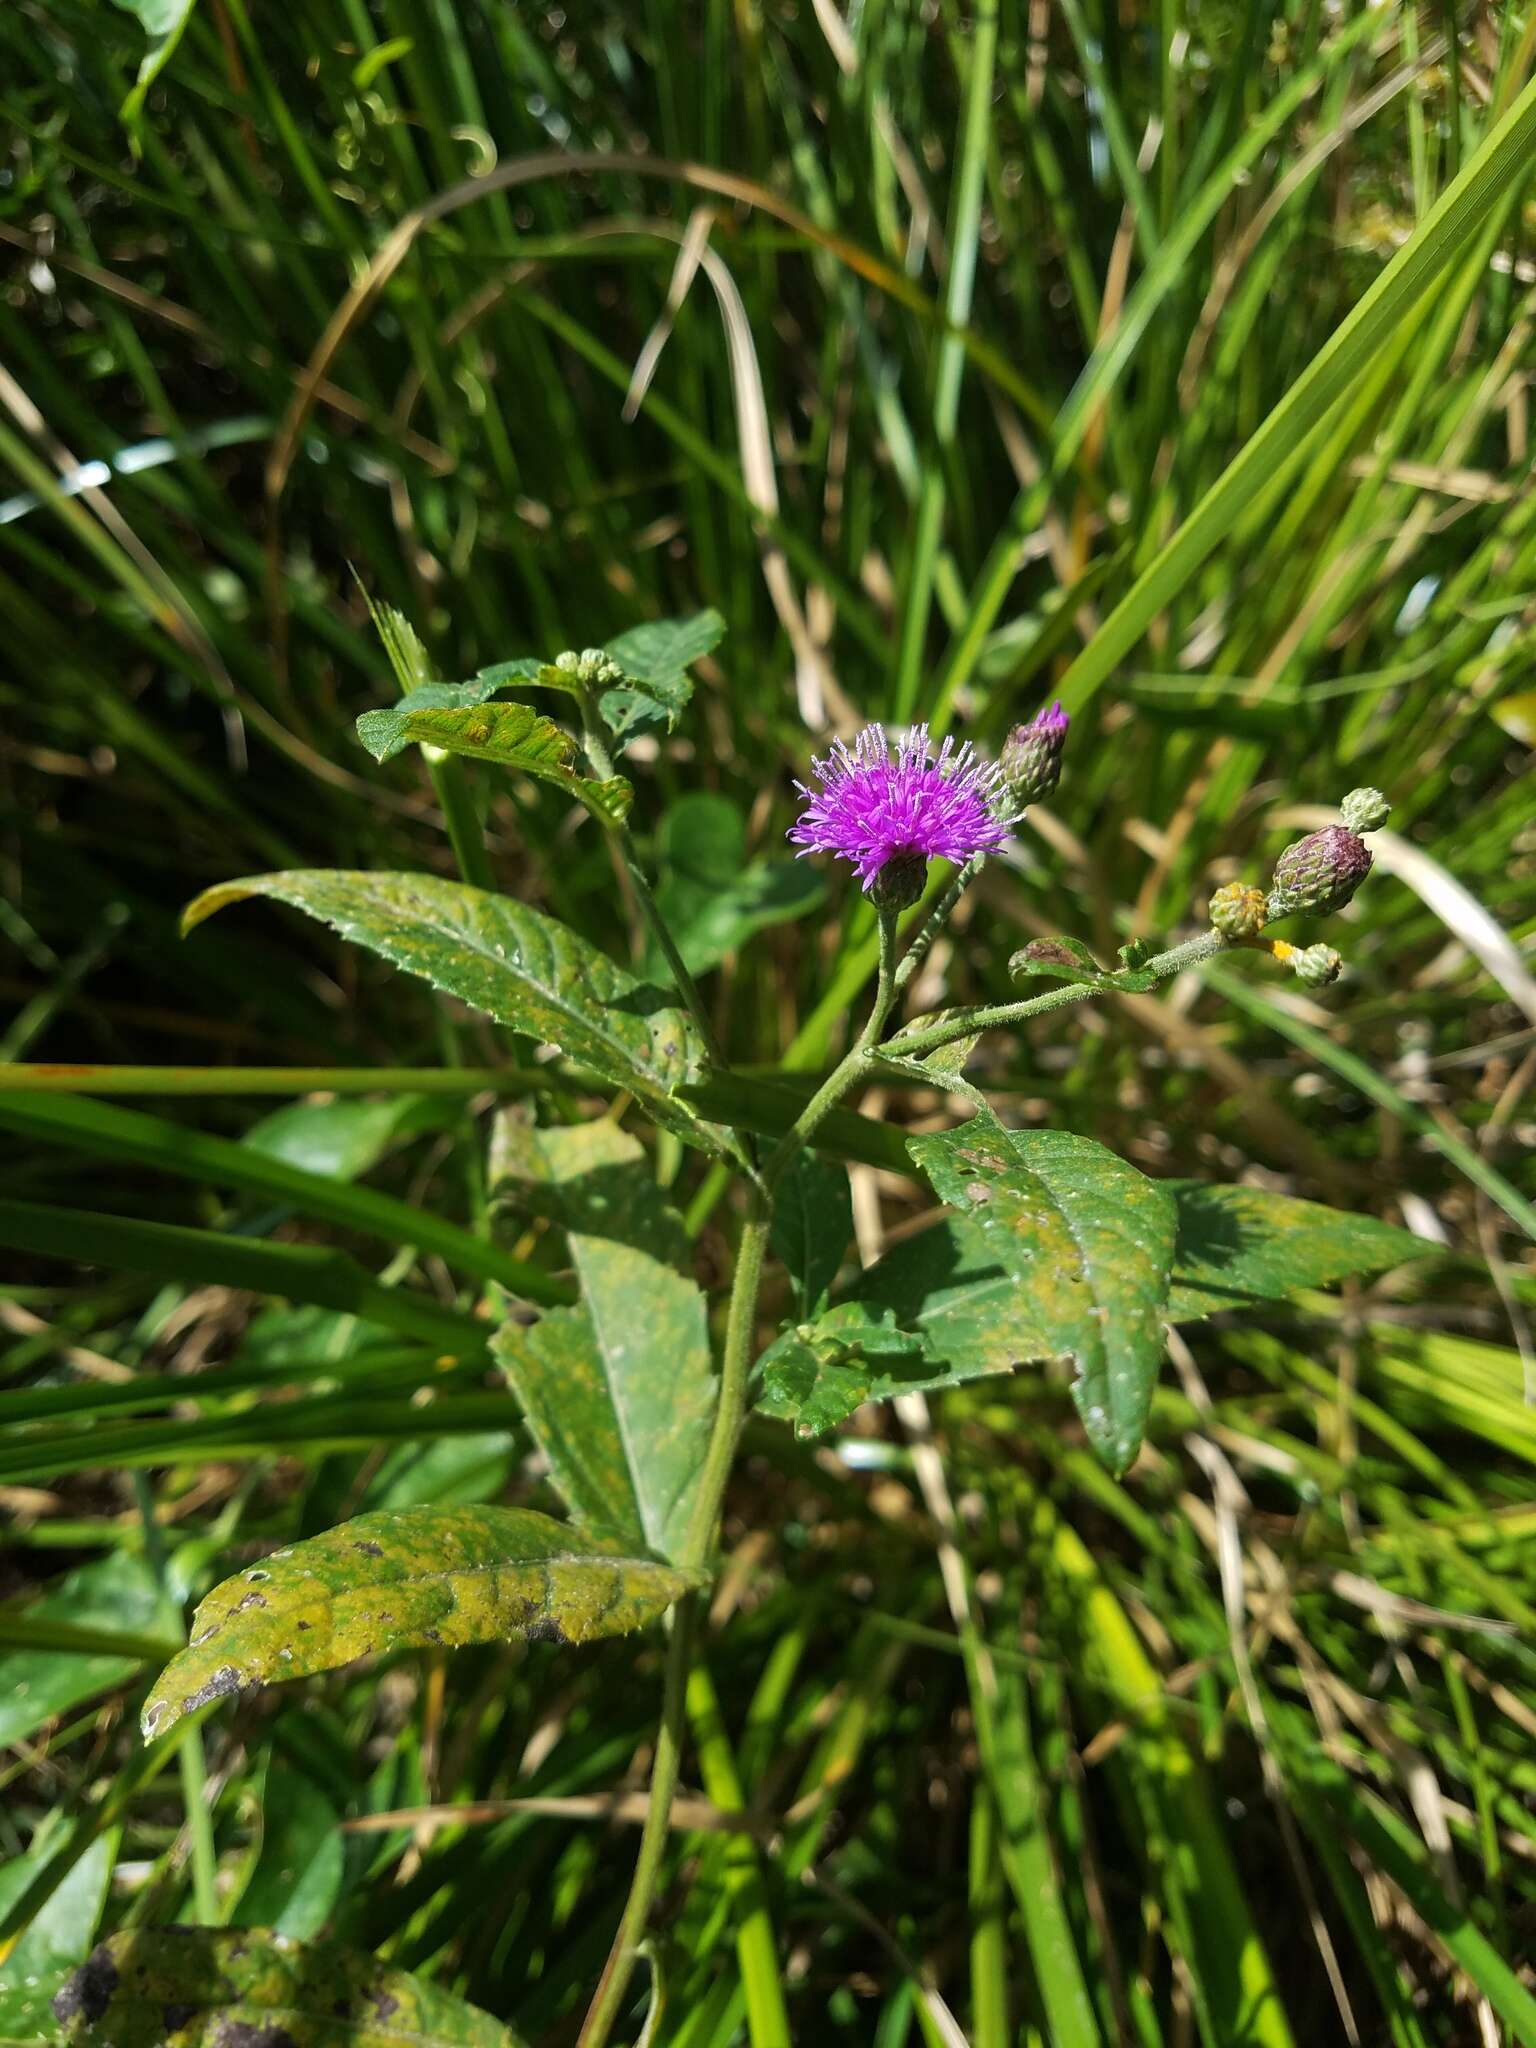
x=409, y=1579
x=300, y=1272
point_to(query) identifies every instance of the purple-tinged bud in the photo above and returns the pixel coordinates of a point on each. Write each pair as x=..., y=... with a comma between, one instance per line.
x=1031, y=758
x=1320, y=872
x=1238, y=912
x=898, y=883
x=1316, y=965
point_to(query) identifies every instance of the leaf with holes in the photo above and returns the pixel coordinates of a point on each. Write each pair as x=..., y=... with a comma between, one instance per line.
x=245, y=1987
x=518, y=966
x=1070, y=960
x=1236, y=1244
x=619, y=1390
x=410, y=1578
x=1088, y=1240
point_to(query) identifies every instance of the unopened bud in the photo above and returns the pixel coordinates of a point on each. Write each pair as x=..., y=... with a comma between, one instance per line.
x=1238, y=912
x=1316, y=965
x=898, y=883
x=591, y=666
x=1031, y=757
x=1320, y=872
x=1365, y=810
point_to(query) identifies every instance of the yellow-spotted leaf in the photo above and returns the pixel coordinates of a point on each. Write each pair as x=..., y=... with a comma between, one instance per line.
x=245, y=1987
x=1088, y=1242
x=409, y=1579
x=512, y=735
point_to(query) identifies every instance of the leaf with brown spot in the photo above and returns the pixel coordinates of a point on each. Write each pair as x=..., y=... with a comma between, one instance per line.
x=406, y=1579
x=1089, y=1243
x=204, y=1987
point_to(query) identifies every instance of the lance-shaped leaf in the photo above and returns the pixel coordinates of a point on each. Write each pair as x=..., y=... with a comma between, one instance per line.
x=512, y=735
x=619, y=1390
x=518, y=966
x=1090, y=1242
x=407, y=1579
x=244, y=1987
x=1237, y=1243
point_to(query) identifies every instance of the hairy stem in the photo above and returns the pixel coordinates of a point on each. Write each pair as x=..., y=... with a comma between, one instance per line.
x=916, y=1044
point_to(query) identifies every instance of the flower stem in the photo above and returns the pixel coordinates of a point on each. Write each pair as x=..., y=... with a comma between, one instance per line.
x=916, y=1044
x=937, y=918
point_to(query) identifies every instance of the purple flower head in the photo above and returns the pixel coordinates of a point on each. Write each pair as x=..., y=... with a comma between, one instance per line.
x=871, y=809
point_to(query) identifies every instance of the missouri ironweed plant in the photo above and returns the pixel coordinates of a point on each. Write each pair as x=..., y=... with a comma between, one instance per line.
x=1072, y=1260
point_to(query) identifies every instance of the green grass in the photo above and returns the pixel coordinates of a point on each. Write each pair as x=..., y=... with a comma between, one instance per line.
x=1175, y=363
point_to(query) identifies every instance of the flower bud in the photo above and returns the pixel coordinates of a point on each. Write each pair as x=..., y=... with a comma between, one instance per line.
x=1365, y=810
x=1320, y=872
x=898, y=883
x=1238, y=912
x=1031, y=758
x=1316, y=965
x=591, y=666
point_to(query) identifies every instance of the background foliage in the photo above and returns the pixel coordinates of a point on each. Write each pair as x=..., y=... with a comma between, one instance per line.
x=988, y=307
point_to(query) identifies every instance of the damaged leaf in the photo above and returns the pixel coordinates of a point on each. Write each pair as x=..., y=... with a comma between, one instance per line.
x=518, y=966
x=409, y=1579
x=1089, y=1243
x=204, y=1987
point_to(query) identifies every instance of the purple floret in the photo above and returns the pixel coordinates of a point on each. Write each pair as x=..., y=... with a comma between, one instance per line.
x=871, y=809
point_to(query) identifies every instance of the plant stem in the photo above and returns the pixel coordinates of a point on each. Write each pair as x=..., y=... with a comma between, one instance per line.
x=915, y=1044
x=937, y=918
x=620, y=1966
x=595, y=739
x=730, y=1409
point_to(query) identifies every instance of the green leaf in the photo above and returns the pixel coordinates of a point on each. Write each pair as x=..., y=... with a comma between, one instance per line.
x=163, y=21
x=221, y=1987
x=1235, y=1243
x=1090, y=1242
x=347, y=1137
x=655, y=658
x=518, y=966
x=817, y=1374
x=661, y=650
x=59, y=1934
x=512, y=735
x=944, y=1289
x=117, y=1594
x=619, y=1391
x=713, y=902
x=812, y=1227
x=297, y=1877
x=1070, y=960
x=409, y=1579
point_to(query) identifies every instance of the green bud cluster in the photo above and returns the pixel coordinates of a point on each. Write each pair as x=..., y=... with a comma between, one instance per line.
x=592, y=666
